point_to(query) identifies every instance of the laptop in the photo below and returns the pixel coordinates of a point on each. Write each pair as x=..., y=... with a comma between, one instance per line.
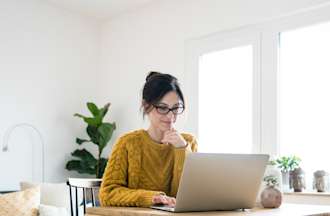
x=212, y=182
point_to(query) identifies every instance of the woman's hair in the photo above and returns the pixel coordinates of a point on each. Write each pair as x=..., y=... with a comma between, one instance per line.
x=156, y=86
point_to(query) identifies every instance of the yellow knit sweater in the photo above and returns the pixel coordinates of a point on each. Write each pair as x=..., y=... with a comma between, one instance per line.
x=140, y=168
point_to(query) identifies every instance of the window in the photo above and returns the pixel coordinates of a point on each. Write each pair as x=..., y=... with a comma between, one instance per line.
x=265, y=89
x=225, y=104
x=304, y=97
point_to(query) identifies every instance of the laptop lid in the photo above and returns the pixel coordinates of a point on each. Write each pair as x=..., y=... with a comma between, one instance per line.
x=213, y=181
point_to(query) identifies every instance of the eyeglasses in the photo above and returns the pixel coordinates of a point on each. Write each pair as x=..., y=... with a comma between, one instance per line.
x=164, y=110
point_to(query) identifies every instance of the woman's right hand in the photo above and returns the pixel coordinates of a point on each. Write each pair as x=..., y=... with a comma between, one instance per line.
x=174, y=138
x=163, y=199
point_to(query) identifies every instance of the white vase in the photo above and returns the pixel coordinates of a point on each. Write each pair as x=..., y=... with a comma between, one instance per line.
x=285, y=181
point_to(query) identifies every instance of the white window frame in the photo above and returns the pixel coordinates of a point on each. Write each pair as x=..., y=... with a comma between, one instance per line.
x=220, y=42
x=264, y=38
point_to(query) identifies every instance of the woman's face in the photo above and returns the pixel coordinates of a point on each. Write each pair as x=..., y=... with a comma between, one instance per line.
x=158, y=117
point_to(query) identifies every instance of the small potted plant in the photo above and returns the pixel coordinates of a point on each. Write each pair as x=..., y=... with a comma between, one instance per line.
x=271, y=197
x=272, y=169
x=287, y=164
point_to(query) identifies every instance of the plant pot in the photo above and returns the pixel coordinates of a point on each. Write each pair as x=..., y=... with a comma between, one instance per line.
x=321, y=181
x=297, y=180
x=271, y=197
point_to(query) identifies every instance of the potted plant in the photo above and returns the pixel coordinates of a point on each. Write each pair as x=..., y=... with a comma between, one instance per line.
x=271, y=197
x=273, y=170
x=287, y=164
x=99, y=133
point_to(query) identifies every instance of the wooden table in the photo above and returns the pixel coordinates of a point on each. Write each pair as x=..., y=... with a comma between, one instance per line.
x=284, y=210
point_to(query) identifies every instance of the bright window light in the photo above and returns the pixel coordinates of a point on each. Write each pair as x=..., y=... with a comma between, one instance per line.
x=304, y=97
x=225, y=101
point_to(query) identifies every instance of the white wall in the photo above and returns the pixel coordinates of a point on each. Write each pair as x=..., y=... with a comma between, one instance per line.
x=154, y=38
x=48, y=67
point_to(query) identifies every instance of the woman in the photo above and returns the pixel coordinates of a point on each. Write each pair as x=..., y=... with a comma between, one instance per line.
x=146, y=165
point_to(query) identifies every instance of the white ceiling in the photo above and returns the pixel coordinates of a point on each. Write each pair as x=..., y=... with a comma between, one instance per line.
x=101, y=9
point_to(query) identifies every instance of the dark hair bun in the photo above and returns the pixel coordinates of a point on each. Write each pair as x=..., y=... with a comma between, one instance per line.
x=152, y=74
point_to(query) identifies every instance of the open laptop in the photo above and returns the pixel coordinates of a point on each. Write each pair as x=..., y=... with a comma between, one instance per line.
x=219, y=182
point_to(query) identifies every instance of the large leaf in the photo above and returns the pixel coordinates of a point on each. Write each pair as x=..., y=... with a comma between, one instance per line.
x=81, y=141
x=93, y=109
x=93, y=134
x=102, y=164
x=105, y=131
x=96, y=121
x=85, y=156
x=80, y=167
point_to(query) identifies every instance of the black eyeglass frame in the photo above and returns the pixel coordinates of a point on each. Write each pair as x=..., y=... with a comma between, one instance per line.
x=180, y=106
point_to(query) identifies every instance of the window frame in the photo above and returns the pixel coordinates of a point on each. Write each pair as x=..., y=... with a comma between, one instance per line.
x=224, y=41
x=264, y=38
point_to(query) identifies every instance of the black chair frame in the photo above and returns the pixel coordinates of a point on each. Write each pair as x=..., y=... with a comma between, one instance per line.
x=86, y=185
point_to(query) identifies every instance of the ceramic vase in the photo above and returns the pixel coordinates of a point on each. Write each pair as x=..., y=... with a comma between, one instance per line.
x=271, y=197
x=321, y=181
x=297, y=180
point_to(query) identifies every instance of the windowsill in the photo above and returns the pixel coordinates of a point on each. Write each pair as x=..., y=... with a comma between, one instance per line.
x=307, y=193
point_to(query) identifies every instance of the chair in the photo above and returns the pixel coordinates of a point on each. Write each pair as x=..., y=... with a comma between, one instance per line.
x=86, y=184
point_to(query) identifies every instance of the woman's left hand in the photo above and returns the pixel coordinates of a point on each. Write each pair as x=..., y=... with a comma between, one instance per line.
x=174, y=138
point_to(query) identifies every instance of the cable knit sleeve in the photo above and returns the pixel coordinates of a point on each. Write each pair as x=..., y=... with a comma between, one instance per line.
x=114, y=189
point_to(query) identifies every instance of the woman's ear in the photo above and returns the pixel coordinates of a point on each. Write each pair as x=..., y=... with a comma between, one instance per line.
x=144, y=103
x=146, y=107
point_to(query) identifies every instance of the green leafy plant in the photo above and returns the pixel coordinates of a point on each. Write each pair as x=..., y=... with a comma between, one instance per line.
x=99, y=133
x=288, y=163
x=271, y=181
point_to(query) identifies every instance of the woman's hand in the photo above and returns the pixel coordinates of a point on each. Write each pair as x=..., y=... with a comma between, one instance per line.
x=163, y=199
x=174, y=138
